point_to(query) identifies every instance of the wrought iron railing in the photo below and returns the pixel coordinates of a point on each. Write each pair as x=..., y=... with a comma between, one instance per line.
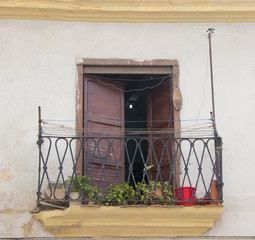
x=187, y=169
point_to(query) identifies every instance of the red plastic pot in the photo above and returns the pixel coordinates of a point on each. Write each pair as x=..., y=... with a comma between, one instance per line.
x=185, y=194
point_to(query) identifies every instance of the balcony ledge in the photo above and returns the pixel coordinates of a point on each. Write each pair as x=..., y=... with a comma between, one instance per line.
x=130, y=221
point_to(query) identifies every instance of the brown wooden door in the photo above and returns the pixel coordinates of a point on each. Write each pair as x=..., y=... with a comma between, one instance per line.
x=104, y=126
x=160, y=114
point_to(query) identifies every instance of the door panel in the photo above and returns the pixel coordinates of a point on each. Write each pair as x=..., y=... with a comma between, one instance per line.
x=103, y=125
x=104, y=101
x=160, y=111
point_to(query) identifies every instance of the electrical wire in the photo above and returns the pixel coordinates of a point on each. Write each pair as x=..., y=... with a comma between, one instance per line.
x=128, y=79
x=202, y=129
x=203, y=99
x=61, y=126
x=134, y=89
x=47, y=121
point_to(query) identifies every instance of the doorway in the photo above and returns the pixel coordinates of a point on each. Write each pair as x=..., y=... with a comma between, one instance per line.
x=110, y=102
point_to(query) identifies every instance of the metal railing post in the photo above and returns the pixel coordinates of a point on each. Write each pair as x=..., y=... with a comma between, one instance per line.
x=39, y=143
x=219, y=172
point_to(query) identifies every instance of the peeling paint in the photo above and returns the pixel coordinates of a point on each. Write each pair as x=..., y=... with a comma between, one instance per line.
x=5, y=175
x=27, y=227
x=8, y=211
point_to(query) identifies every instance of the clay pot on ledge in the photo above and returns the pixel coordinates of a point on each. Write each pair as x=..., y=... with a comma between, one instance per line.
x=76, y=199
x=214, y=193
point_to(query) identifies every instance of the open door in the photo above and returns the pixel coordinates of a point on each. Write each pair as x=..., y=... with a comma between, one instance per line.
x=103, y=127
x=160, y=116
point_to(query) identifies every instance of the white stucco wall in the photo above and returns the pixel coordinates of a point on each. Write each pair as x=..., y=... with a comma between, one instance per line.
x=38, y=67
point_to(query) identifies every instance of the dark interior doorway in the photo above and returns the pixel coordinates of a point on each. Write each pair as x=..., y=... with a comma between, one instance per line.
x=131, y=106
x=147, y=106
x=136, y=103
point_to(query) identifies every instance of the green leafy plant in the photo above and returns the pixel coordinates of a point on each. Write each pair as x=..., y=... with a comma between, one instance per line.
x=148, y=194
x=120, y=194
x=167, y=193
x=144, y=193
x=82, y=184
x=148, y=167
x=78, y=183
x=94, y=193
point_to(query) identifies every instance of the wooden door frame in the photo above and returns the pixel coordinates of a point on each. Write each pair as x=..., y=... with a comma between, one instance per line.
x=126, y=66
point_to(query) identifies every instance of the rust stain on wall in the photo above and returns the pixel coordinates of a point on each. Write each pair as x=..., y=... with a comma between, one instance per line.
x=27, y=227
x=5, y=175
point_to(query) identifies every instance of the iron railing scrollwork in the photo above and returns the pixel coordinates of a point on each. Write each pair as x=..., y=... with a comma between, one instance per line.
x=176, y=163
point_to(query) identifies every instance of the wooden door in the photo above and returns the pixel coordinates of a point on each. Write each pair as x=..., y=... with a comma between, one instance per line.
x=160, y=114
x=103, y=127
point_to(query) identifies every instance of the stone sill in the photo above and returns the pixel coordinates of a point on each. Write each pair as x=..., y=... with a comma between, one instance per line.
x=130, y=221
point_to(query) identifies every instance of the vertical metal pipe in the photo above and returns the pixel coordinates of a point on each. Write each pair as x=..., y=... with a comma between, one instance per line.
x=210, y=31
x=217, y=141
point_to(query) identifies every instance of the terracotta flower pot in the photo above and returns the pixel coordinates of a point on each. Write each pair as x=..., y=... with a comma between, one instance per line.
x=158, y=191
x=75, y=196
x=214, y=193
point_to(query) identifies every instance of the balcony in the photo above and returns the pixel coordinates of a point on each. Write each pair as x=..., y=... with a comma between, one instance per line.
x=187, y=169
x=116, y=182
x=138, y=185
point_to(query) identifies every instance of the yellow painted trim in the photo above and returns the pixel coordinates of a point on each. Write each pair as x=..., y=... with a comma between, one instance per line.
x=130, y=10
x=132, y=221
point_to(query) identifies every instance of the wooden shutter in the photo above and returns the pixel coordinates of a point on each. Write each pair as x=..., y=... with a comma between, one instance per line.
x=104, y=121
x=160, y=111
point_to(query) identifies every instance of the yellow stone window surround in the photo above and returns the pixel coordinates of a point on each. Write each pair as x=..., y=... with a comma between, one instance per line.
x=130, y=10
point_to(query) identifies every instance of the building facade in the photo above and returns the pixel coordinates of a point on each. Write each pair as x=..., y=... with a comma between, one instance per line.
x=44, y=43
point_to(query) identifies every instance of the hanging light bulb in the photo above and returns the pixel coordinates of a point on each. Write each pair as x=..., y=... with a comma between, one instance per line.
x=130, y=106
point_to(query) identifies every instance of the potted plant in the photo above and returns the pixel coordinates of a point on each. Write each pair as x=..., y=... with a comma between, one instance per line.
x=120, y=194
x=80, y=187
x=144, y=193
x=154, y=192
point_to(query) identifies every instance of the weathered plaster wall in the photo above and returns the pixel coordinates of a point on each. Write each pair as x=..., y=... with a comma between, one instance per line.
x=38, y=67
